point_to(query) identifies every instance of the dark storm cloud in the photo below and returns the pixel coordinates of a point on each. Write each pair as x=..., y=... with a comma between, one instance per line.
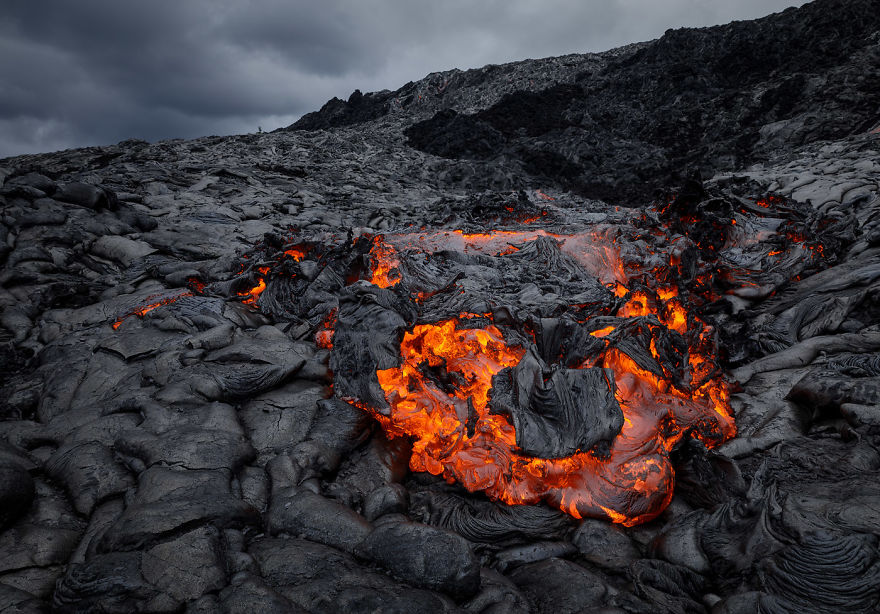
x=98, y=71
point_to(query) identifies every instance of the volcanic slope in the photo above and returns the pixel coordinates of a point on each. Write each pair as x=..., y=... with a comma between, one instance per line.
x=615, y=125
x=170, y=440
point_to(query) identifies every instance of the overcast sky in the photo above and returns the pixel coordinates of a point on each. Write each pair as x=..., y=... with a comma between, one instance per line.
x=94, y=72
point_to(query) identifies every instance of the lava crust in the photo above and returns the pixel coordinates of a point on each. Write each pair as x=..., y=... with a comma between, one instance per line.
x=580, y=334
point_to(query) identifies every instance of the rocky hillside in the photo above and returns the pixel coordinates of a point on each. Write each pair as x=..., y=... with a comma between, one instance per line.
x=613, y=125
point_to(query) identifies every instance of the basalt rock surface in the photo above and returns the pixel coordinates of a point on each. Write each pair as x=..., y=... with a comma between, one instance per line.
x=173, y=441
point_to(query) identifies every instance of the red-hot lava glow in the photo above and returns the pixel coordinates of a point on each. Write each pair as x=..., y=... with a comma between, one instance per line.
x=145, y=309
x=384, y=264
x=632, y=485
x=324, y=337
x=297, y=253
x=455, y=436
x=592, y=250
x=603, y=332
x=439, y=394
x=253, y=294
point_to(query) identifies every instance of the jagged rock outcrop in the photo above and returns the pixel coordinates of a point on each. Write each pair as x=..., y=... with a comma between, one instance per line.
x=711, y=99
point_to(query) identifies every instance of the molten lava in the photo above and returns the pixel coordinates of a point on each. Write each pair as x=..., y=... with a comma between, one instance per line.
x=297, y=253
x=439, y=395
x=145, y=309
x=251, y=295
x=445, y=424
x=384, y=264
x=324, y=337
x=659, y=355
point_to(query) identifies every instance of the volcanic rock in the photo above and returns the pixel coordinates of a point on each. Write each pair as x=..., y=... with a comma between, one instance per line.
x=370, y=469
x=539, y=551
x=316, y=577
x=425, y=556
x=167, y=501
x=497, y=593
x=307, y=514
x=556, y=415
x=667, y=586
x=757, y=89
x=362, y=348
x=279, y=419
x=109, y=582
x=20, y=602
x=16, y=491
x=248, y=594
x=85, y=195
x=91, y=473
x=557, y=585
x=387, y=499
x=604, y=545
x=479, y=522
x=191, y=416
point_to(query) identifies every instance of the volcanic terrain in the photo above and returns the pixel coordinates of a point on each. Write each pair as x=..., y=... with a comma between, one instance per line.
x=588, y=334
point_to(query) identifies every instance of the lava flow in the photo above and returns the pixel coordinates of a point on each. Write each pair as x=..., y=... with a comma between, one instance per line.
x=439, y=396
x=538, y=366
x=145, y=309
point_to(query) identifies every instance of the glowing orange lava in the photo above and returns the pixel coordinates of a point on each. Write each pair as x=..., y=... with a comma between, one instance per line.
x=384, y=264
x=603, y=332
x=324, y=337
x=297, y=253
x=455, y=436
x=670, y=388
x=254, y=293
x=145, y=309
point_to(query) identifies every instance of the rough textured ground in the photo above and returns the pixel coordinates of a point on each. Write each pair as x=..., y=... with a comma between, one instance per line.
x=187, y=460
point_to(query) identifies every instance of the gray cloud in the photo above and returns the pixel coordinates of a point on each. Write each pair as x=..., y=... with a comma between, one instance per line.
x=98, y=71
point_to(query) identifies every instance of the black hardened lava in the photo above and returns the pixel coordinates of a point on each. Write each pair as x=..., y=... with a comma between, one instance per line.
x=710, y=99
x=217, y=356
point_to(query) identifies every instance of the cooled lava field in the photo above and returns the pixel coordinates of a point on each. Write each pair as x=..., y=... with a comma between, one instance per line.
x=596, y=334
